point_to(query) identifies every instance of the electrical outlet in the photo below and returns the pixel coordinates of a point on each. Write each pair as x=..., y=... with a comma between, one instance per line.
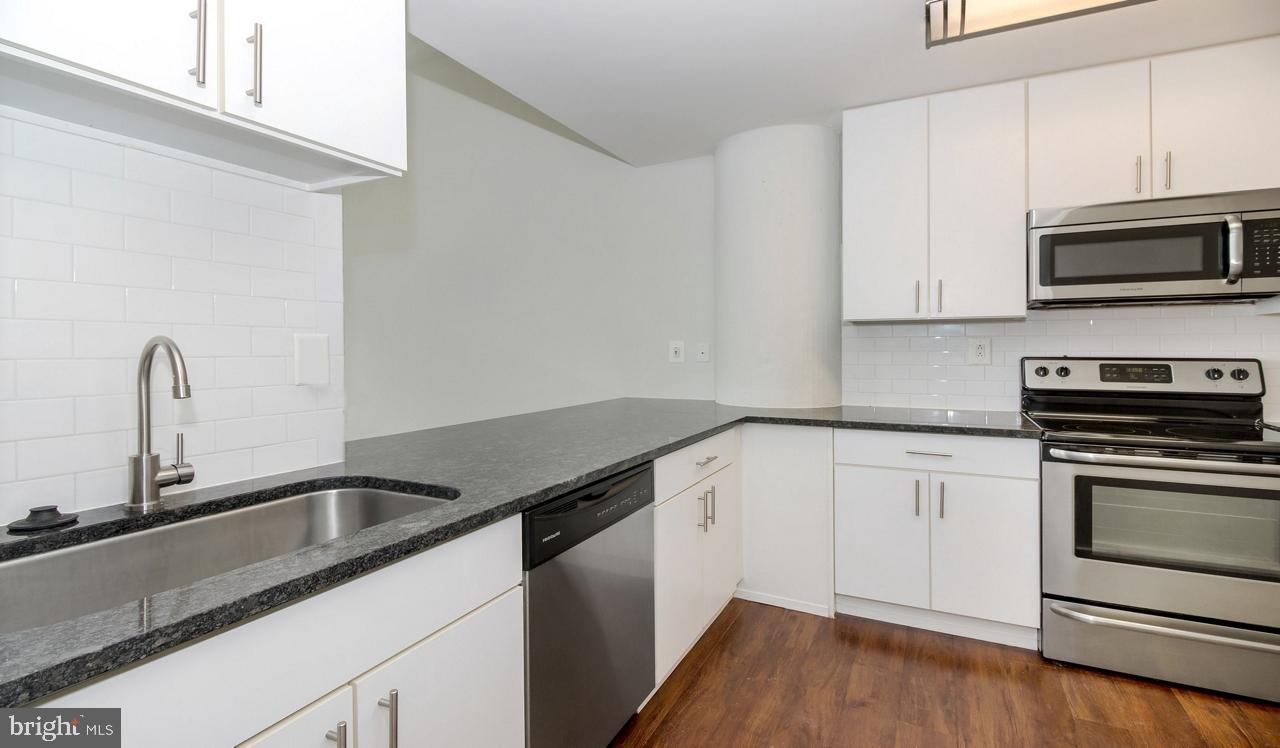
x=702, y=352
x=979, y=351
x=675, y=352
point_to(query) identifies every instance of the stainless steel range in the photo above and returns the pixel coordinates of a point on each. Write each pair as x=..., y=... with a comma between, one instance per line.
x=1160, y=519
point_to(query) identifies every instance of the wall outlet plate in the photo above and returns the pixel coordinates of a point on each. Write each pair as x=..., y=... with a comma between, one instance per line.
x=702, y=352
x=675, y=352
x=979, y=351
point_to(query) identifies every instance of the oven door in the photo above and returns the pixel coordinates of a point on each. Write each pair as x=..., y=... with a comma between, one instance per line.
x=1159, y=534
x=1188, y=256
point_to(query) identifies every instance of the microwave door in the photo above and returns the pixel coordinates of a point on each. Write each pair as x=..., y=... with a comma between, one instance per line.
x=1134, y=260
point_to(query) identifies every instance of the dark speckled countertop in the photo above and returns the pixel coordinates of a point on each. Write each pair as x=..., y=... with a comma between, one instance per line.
x=495, y=468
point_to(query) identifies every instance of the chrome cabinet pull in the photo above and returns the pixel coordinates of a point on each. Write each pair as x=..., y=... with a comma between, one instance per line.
x=1148, y=628
x=703, y=498
x=1138, y=172
x=928, y=454
x=202, y=26
x=256, y=41
x=917, y=297
x=1168, y=170
x=1235, y=249
x=392, y=702
x=939, y=296
x=709, y=459
x=339, y=735
x=713, y=505
x=942, y=499
x=917, y=498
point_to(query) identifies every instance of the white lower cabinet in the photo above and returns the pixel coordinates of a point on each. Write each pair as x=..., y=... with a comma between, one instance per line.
x=463, y=685
x=953, y=543
x=310, y=726
x=697, y=563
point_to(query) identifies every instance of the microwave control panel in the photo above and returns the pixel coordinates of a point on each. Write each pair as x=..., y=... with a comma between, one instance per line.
x=1262, y=248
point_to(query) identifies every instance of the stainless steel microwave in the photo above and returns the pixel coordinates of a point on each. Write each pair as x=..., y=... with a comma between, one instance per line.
x=1220, y=247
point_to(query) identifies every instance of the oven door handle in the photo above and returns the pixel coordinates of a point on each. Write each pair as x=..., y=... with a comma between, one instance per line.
x=1172, y=463
x=1173, y=633
x=1235, y=248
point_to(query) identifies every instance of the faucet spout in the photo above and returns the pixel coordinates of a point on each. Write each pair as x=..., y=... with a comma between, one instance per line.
x=145, y=474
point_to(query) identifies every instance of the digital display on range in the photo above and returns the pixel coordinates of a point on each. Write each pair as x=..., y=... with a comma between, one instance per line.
x=1144, y=373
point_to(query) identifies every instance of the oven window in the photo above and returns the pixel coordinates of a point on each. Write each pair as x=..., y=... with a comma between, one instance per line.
x=1208, y=529
x=1191, y=251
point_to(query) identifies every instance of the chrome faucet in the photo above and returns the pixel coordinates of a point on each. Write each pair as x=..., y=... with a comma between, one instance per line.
x=146, y=477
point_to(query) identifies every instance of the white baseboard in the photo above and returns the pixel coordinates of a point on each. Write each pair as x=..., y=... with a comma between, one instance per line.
x=946, y=623
x=785, y=602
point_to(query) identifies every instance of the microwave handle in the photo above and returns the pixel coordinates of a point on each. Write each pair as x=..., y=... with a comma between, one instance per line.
x=1235, y=248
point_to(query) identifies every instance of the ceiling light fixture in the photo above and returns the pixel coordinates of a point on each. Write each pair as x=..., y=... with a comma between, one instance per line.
x=943, y=24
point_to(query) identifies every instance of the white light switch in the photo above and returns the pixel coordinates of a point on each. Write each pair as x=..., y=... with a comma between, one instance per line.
x=311, y=359
x=675, y=352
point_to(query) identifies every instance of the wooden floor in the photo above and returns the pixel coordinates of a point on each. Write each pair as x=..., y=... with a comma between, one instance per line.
x=770, y=677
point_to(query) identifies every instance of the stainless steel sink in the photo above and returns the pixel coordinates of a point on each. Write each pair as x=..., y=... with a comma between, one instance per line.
x=54, y=586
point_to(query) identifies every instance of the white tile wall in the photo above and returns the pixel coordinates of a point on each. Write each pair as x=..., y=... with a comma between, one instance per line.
x=923, y=365
x=103, y=246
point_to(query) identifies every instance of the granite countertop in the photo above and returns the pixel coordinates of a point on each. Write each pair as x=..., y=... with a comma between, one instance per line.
x=492, y=469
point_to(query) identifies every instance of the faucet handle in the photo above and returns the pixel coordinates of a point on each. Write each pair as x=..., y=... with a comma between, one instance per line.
x=184, y=472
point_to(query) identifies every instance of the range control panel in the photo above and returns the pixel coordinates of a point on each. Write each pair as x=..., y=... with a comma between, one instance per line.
x=1201, y=376
x=1262, y=248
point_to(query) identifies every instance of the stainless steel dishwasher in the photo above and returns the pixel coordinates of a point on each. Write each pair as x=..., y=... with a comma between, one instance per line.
x=589, y=658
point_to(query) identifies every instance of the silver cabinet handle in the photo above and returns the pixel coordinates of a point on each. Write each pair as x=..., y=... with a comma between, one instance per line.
x=256, y=41
x=703, y=498
x=939, y=296
x=1172, y=463
x=942, y=499
x=339, y=735
x=1138, y=172
x=917, y=498
x=713, y=505
x=202, y=26
x=709, y=459
x=1235, y=248
x=1168, y=170
x=928, y=454
x=392, y=701
x=917, y=297
x=1173, y=633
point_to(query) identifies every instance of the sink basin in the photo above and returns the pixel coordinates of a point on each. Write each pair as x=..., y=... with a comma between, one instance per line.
x=54, y=586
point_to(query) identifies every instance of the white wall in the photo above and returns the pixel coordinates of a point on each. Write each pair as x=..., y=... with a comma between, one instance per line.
x=512, y=270
x=103, y=245
x=922, y=365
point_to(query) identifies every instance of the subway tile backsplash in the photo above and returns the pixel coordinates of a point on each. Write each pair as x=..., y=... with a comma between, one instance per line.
x=103, y=246
x=924, y=365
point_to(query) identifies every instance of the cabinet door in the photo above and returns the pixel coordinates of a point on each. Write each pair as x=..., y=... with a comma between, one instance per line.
x=986, y=547
x=463, y=685
x=679, y=606
x=722, y=560
x=332, y=72
x=978, y=202
x=1214, y=114
x=885, y=204
x=1089, y=136
x=882, y=534
x=308, y=726
x=151, y=43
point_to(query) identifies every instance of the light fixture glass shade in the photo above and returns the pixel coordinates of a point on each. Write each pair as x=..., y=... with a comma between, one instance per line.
x=952, y=20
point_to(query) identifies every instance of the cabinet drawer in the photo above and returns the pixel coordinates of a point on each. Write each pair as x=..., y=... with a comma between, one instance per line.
x=981, y=455
x=677, y=471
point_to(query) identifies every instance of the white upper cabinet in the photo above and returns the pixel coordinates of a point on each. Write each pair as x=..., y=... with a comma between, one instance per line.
x=152, y=43
x=331, y=71
x=885, y=212
x=978, y=202
x=1214, y=118
x=1089, y=136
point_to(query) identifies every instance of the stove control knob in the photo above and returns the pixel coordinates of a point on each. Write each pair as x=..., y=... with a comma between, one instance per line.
x=1063, y=371
x=1239, y=374
x=1042, y=371
x=1214, y=374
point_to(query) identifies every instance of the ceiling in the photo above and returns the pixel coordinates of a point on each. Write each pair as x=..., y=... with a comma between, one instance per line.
x=659, y=80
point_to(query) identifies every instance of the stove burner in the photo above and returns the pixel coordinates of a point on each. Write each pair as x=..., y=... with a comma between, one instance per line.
x=1214, y=433
x=1123, y=429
